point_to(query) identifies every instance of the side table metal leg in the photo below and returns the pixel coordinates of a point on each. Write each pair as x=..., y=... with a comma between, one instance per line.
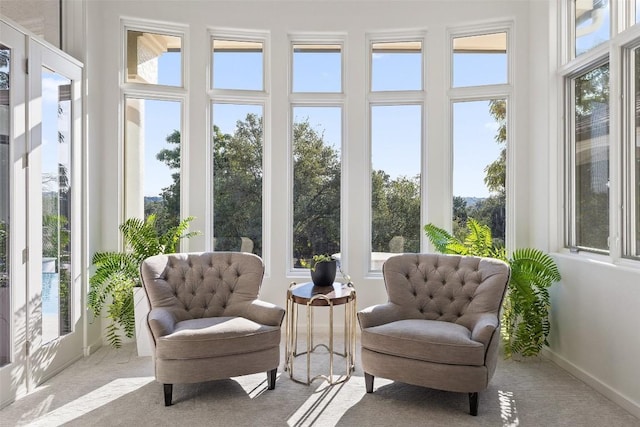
x=330, y=342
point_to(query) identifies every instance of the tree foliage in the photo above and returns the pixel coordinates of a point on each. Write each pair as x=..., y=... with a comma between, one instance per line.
x=316, y=193
x=491, y=210
x=237, y=193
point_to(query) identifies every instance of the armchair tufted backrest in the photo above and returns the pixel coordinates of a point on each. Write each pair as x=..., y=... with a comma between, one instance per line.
x=204, y=284
x=452, y=288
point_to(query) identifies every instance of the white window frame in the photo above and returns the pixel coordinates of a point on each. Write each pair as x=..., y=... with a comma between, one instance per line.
x=317, y=99
x=394, y=98
x=241, y=97
x=504, y=92
x=154, y=92
x=618, y=51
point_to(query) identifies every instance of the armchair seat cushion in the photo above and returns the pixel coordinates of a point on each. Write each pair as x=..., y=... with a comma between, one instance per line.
x=426, y=340
x=216, y=337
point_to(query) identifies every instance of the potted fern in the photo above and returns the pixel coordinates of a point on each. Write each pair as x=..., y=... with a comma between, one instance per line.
x=117, y=273
x=525, y=317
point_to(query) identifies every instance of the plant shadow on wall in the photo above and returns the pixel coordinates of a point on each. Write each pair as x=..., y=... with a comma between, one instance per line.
x=117, y=273
x=525, y=317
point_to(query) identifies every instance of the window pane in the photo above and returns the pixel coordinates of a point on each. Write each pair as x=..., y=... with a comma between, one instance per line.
x=154, y=58
x=635, y=155
x=396, y=66
x=238, y=65
x=592, y=159
x=237, y=177
x=317, y=141
x=56, y=205
x=5, y=162
x=480, y=60
x=592, y=26
x=152, y=161
x=317, y=68
x=396, y=137
x=479, y=166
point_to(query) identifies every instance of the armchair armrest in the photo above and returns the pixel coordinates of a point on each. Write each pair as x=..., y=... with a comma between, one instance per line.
x=484, y=328
x=379, y=315
x=161, y=322
x=264, y=313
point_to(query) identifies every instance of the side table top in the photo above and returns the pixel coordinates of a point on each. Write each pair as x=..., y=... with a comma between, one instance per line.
x=338, y=293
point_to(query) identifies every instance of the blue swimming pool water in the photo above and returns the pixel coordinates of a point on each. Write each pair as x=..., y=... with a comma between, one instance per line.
x=50, y=293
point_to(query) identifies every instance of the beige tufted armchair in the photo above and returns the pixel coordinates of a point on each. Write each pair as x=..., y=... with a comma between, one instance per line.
x=206, y=319
x=441, y=326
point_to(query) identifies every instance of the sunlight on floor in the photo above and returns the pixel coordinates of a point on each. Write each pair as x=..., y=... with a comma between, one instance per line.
x=90, y=401
x=309, y=412
x=508, y=411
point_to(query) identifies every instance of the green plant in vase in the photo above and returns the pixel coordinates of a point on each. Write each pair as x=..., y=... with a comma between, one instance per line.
x=117, y=273
x=323, y=269
x=525, y=317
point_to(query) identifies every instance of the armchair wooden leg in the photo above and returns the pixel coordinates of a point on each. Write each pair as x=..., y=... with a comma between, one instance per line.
x=368, y=381
x=271, y=379
x=473, y=404
x=168, y=390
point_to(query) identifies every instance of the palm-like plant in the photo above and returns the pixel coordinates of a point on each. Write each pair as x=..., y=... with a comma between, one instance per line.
x=525, y=316
x=117, y=273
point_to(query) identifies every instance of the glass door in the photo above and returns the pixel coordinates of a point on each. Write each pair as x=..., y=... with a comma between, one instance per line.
x=41, y=329
x=54, y=285
x=13, y=273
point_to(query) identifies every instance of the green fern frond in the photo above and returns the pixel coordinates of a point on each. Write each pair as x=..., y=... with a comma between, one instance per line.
x=117, y=273
x=525, y=323
x=438, y=237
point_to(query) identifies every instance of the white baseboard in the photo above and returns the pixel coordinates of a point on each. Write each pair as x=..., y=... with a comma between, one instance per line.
x=604, y=389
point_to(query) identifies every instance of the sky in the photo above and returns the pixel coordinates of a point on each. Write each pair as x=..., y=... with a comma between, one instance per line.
x=396, y=130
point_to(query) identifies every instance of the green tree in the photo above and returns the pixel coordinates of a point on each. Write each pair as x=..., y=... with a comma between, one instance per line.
x=459, y=216
x=490, y=211
x=395, y=207
x=316, y=193
x=167, y=211
x=237, y=184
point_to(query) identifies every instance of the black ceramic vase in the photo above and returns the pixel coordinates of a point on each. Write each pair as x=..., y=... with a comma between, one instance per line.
x=324, y=273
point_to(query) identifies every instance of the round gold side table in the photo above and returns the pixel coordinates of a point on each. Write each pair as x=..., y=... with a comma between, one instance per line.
x=328, y=296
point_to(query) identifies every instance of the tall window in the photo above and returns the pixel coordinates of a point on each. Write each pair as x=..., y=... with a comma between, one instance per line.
x=237, y=141
x=396, y=128
x=5, y=174
x=152, y=154
x=632, y=184
x=590, y=167
x=479, y=166
x=587, y=81
x=317, y=140
x=237, y=177
x=316, y=148
x=396, y=139
x=480, y=132
x=153, y=126
x=56, y=205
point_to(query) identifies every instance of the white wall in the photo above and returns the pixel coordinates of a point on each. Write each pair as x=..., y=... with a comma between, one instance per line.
x=595, y=322
x=594, y=310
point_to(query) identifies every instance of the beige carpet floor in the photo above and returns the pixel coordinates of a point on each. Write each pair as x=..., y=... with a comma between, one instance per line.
x=115, y=387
